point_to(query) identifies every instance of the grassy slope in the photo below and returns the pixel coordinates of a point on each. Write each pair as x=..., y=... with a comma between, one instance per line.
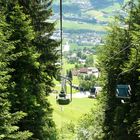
x=99, y=13
x=74, y=25
x=71, y=112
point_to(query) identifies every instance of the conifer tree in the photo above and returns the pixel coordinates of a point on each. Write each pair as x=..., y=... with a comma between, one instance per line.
x=134, y=63
x=9, y=130
x=47, y=47
x=122, y=119
x=35, y=66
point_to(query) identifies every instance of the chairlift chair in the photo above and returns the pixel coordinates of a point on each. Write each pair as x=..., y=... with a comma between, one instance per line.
x=62, y=98
x=123, y=91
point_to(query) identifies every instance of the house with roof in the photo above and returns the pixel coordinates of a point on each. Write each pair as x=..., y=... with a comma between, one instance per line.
x=93, y=71
x=86, y=71
x=83, y=71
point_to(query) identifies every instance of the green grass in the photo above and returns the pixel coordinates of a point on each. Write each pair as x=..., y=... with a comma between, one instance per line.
x=57, y=86
x=94, y=13
x=126, y=1
x=98, y=15
x=75, y=80
x=109, y=9
x=74, y=25
x=72, y=112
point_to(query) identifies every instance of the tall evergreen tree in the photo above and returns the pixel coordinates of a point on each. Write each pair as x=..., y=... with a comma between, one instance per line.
x=134, y=117
x=9, y=130
x=35, y=66
x=40, y=13
x=122, y=119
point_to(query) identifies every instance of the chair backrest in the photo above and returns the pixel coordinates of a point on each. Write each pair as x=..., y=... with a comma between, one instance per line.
x=123, y=91
x=62, y=94
x=93, y=90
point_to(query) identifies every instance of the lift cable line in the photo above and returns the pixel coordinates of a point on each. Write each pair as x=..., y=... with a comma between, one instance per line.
x=136, y=58
x=122, y=50
x=62, y=98
x=61, y=33
x=61, y=43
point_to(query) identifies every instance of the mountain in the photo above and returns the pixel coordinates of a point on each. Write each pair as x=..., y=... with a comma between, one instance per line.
x=84, y=21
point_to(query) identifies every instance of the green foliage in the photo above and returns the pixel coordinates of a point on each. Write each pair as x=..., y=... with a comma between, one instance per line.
x=71, y=113
x=87, y=82
x=67, y=131
x=69, y=74
x=8, y=121
x=42, y=78
x=90, y=61
x=67, y=117
x=90, y=125
x=34, y=66
x=121, y=120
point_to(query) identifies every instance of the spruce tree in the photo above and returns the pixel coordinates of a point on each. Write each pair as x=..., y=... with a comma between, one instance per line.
x=122, y=119
x=111, y=66
x=47, y=47
x=9, y=130
x=35, y=66
x=23, y=97
x=134, y=117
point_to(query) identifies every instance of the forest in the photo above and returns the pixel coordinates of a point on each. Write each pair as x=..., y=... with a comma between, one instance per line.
x=28, y=57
